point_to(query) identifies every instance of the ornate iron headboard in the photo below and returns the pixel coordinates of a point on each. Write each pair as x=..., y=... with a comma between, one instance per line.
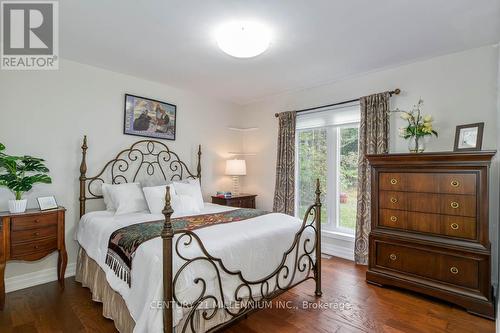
x=144, y=158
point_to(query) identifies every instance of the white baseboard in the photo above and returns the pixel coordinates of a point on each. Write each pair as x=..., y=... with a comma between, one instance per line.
x=337, y=251
x=40, y=277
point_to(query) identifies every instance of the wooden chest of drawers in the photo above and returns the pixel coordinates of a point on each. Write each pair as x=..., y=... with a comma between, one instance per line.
x=31, y=236
x=429, y=226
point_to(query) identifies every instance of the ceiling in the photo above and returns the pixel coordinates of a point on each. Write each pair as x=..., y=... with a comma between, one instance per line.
x=315, y=41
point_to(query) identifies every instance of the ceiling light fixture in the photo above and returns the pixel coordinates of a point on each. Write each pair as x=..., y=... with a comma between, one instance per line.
x=243, y=39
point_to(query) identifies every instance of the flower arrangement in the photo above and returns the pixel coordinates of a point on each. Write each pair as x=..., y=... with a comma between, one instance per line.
x=418, y=127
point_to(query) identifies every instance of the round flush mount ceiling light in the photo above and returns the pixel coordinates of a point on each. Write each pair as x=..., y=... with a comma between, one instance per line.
x=243, y=39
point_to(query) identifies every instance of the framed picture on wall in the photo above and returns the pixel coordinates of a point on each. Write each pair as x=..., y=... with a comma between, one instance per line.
x=150, y=118
x=469, y=137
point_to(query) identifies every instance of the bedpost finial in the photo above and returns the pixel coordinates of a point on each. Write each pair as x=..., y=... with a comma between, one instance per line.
x=83, y=164
x=84, y=145
x=198, y=167
x=318, y=192
x=167, y=231
x=168, y=206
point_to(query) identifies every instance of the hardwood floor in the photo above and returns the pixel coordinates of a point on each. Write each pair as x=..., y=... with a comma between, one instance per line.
x=367, y=308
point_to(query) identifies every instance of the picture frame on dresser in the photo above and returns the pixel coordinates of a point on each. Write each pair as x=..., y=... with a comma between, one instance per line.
x=47, y=203
x=469, y=137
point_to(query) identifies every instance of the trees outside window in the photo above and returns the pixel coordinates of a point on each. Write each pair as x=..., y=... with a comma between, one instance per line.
x=329, y=153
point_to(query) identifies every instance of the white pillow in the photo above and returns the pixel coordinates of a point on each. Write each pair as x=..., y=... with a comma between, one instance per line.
x=127, y=198
x=155, y=197
x=193, y=189
x=184, y=205
x=105, y=189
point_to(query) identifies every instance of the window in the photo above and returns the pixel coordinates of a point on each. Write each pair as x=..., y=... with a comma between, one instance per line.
x=327, y=148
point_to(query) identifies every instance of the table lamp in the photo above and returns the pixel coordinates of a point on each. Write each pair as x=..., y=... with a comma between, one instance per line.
x=236, y=168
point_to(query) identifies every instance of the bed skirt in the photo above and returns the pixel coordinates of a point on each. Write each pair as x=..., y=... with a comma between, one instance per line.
x=91, y=276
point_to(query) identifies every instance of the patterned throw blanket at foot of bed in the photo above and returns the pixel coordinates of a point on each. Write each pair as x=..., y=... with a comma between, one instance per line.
x=124, y=242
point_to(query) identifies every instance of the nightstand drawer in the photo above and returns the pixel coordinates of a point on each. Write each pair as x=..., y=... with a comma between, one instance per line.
x=37, y=246
x=33, y=222
x=21, y=236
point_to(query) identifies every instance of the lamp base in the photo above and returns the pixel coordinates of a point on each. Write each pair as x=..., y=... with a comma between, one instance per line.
x=236, y=185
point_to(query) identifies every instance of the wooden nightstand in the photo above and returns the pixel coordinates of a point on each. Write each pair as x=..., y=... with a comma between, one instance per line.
x=242, y=200
x=31, y=236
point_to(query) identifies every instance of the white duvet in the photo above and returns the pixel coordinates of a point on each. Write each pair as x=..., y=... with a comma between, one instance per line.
x=254, y=246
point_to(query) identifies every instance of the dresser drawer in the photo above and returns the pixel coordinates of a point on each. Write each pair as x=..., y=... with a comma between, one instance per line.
x=429, y=264
x=392, y=218
x=457, y=183
x=424, y=222
x=33, y=222
x=392, y=181
x=422, y=182
x=459, y=226
x=462, y=205
x=452, y=226
x=441, y=182
x=46, y=245
x=392, y=200
x=20, y=236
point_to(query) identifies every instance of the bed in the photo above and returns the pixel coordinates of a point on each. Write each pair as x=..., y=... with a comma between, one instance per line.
x=184, y=278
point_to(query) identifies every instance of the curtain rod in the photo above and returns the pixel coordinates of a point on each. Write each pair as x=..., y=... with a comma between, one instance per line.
x=393, y=92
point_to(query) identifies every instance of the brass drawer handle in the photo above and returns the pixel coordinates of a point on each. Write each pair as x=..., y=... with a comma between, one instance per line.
x=455, y=183
x=37, y=221
x=36, y=233
x=454, y=270
x=394, y=200
x=394, y=218
x=394, y=181
x=454, y=205
x=454, y=226
x=36, y=247
x=393, y=257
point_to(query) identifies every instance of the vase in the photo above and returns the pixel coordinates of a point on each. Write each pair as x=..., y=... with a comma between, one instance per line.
x=416, y=144
x=17, y=206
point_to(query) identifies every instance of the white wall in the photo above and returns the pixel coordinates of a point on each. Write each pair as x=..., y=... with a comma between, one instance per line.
x=457, y=89
x=46, y=114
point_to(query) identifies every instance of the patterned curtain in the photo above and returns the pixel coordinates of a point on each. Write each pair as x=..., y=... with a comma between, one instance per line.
x=373, y=139
x=284, y=192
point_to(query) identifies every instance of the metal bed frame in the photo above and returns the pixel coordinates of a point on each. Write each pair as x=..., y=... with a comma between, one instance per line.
x=302, y=257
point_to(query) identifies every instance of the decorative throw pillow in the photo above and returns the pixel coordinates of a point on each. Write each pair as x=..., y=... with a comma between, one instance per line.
x=155, y=197
x=127, y=198
x=184, y=205
x=193, y=189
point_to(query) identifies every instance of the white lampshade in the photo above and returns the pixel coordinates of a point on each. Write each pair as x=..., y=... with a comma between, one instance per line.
x=236, y=168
